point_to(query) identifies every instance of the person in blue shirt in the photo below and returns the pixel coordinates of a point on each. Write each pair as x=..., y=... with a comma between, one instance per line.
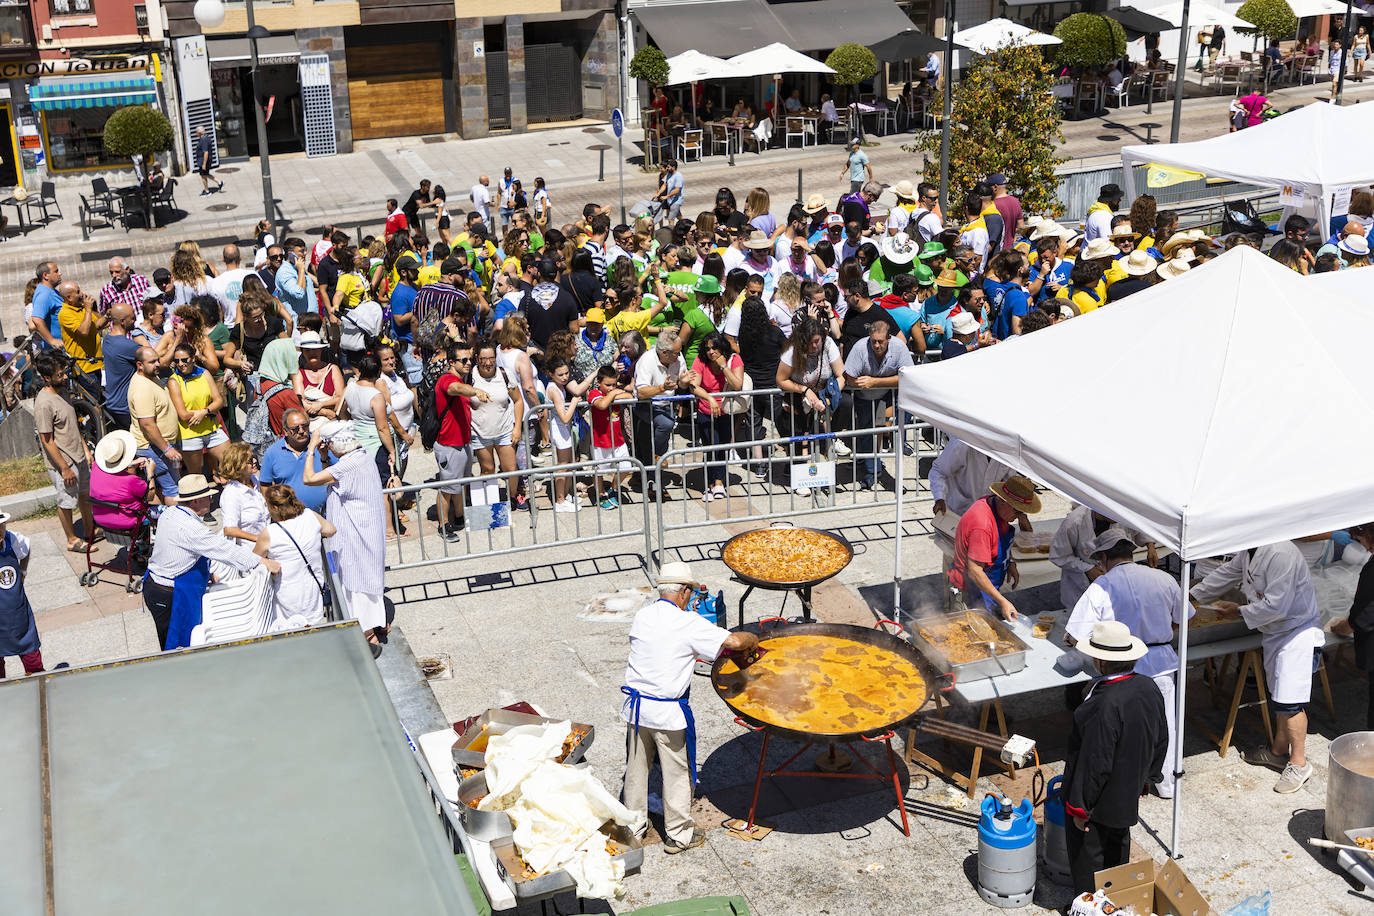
x=284, y=460
x=1052, y=268
x=402, y=309
x=294, y=287
x=936, y=312
x=47, y=305
x=899, y=305
x=1007, y=298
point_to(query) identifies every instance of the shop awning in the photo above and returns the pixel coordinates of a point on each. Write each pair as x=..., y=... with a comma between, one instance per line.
x=92, y=94
x=724, y=28
x=235, y=50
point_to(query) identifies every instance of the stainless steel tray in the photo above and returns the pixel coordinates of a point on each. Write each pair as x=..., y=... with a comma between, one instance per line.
x=500, y=721
x=979, y=669
x=482, y=825
x=509, y=867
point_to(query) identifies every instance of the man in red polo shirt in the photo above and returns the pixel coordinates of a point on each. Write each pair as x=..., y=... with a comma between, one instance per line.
x=395, y=219
x=453, y=444
x=982, y=544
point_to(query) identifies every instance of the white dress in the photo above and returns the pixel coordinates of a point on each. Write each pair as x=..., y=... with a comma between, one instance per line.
x=296, y=601
x=243, y=507
x=356, y=508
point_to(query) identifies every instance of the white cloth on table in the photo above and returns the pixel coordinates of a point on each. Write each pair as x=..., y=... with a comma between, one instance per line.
x=960, y=475
x=243, y=507
x=356, y=508
x=297, y=601
x=665, y=642
x=1282, y=605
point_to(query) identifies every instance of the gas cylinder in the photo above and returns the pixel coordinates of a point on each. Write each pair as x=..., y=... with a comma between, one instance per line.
x=1056, y=847
x=1006, y=852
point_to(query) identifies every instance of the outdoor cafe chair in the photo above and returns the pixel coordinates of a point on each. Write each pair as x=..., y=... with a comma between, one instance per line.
x=795, y=127
x=688, y=144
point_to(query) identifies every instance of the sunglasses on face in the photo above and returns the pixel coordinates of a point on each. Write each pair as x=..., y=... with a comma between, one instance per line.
x=299, y=428
x=276, y=257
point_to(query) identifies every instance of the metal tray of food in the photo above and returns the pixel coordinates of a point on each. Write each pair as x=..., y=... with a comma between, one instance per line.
x=1011, y=656
x=515, y=873
x=470, y=750
x=1205, y=627
x=481, y=825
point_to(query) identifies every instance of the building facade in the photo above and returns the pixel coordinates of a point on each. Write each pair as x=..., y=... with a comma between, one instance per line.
x=335, y=72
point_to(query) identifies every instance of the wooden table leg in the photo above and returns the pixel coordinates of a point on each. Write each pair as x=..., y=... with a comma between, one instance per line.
x=1257, y=664
x=1326, y=686
x=1225, y=741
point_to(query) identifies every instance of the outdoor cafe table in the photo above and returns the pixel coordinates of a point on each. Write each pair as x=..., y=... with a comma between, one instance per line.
x=18, y=206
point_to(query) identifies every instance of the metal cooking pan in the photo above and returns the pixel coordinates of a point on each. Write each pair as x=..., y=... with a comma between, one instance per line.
x=780, y=585
x=863, y=635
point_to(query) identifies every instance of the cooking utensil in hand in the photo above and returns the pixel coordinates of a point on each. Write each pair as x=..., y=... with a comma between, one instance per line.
x=1331, y=844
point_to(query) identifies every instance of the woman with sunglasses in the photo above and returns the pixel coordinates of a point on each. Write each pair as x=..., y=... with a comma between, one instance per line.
x=197, y=400
x=242, y=509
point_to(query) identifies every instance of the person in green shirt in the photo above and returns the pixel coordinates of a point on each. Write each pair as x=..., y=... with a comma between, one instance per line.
x=697, y=323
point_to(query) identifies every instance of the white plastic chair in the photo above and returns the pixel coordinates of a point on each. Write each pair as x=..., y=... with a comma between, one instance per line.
x=886, y=117
x=794, y=127
x=689, y=143
x=240, y=609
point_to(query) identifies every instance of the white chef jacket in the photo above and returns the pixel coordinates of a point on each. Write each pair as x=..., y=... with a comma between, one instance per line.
x=1147, y=600
x=961, y=475
x=1070, y=551
x=665, y=642
x=1282, y=605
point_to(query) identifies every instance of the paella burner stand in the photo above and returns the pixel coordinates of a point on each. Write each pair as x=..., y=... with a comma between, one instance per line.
x=803, y=593
x=884, y=738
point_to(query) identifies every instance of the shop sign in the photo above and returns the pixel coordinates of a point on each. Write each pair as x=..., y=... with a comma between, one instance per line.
x=22, y=69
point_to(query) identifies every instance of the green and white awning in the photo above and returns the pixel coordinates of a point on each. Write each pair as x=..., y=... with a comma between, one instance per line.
x=93, y=94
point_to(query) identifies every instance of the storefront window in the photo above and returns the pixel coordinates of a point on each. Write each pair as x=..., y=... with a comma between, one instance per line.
x=15, y=32
x=75, y=138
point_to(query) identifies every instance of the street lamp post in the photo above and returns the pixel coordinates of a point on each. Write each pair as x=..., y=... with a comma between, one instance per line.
x=210, y=14
x=1180, y=68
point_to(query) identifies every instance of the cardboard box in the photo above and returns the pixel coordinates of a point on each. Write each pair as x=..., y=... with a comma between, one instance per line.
x=1151, y=888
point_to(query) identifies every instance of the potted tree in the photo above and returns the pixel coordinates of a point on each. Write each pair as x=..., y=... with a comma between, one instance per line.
x=651, y=66
x=139, y=132
x=1272, y=19
x=852, y=63
x=1088, y=40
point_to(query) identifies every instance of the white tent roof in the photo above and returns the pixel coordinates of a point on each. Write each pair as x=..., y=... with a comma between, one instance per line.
x=1174, y=411
x=693, y=66
x=776, y=58
x=1199, y=14
x=1304, y=8
x=1320, y=147
x=989, y=36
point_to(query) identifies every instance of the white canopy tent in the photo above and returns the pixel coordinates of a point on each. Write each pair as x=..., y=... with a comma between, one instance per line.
x=989, y=36
x=1314, y=152
x=1194, y=432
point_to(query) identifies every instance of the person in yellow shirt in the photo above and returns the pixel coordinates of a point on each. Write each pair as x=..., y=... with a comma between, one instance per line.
x=1124, y=239
x=352, y=286
x=1085, y=281
x=81, y=327
x=626, y=313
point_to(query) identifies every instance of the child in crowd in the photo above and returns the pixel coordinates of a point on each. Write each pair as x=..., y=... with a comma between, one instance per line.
x=562, y=414
x=608, y=433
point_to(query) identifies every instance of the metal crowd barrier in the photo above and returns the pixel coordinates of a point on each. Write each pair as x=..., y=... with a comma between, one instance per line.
x=505, y=529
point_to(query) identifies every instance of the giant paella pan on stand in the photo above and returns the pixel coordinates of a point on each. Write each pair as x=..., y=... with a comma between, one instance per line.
x=832, y=684
x=786, y=558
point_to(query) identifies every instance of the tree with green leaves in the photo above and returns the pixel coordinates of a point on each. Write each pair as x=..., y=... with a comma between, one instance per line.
x=1005, y=118
x=1271, y=19
x=651, y=66
x=1089, y=40
x=139, y=132
x=852, y=64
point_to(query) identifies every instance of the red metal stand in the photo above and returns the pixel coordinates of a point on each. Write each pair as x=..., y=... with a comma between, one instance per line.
x=873, y=772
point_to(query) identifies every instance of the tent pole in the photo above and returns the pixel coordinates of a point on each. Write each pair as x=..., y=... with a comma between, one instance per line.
x=1180, y=691
x=1180, y=68
x=897, y=537
x=944, y=122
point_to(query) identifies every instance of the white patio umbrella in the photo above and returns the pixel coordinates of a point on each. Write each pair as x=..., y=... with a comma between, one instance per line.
x=693, y=67
x=776, y=59
x=1200, y=13
x=999, y=33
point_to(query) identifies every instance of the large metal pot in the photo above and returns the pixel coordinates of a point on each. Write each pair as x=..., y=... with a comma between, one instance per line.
x=782, y=584
x=1350, y=785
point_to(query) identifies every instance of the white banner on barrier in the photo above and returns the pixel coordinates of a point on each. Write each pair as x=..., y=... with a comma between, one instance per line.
x=813, y=475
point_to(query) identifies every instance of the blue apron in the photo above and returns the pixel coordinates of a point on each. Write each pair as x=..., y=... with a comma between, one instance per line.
x=997, y=569
x=188, y=593
x=636, y=698
x=18, y=630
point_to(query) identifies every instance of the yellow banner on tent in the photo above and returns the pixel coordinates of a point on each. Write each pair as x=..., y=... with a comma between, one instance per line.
x=1162, y=176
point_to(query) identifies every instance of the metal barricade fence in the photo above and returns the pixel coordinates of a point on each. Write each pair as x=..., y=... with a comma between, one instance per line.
x=493, y=526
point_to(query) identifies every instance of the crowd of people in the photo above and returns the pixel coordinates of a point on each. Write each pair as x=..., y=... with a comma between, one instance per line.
x=507, y=342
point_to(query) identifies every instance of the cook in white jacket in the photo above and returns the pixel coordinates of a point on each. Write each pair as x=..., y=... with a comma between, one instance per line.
x=1072, y=551
x=1281, y=604
x=962, y=474
x=1150, y=602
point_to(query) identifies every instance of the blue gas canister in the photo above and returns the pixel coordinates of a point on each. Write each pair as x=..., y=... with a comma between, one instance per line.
x=1056, y=845
x=1006, y=852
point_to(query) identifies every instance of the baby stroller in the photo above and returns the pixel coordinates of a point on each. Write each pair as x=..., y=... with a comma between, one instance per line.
x=135, y=542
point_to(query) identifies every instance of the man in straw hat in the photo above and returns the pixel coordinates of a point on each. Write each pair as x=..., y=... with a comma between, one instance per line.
x=1138, y=269
x=179, y=569
x=982, y=545
x=666, y=639
x=1282, y=605
x=1116, y=747
x=1149, y=603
